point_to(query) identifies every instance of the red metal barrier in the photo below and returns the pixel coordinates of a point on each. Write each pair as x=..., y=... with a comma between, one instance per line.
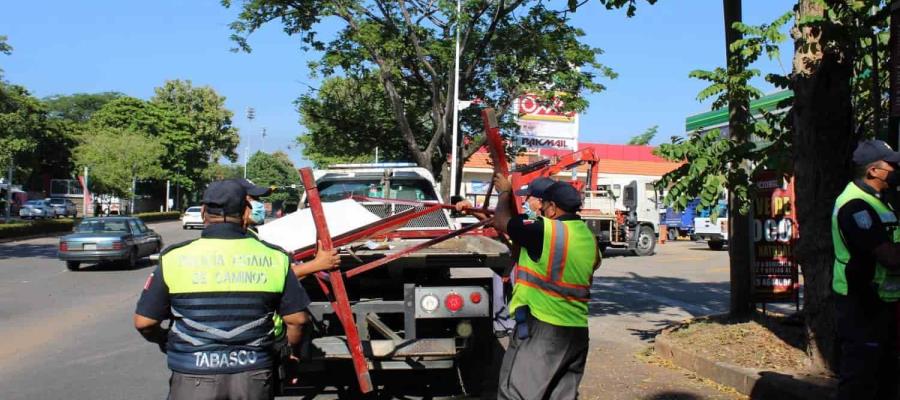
x=339, y=302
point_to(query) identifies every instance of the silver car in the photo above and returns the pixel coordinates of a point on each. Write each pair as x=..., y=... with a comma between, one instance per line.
x=121, y=239
x=63, y=207
x=37, y=209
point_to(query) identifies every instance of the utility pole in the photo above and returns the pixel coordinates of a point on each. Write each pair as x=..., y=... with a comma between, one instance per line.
x=454, y=153
x=133, y=189
x=251, y=115
x=739, y=224
x=167, y=195
x=9, y=174
x=85, y=195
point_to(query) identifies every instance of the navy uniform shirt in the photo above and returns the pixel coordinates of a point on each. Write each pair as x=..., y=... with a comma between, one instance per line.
x=154, y=302
x=529, y=234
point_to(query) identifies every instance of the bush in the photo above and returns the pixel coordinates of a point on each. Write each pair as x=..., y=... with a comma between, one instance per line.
x=21, y=229
x=158, y=216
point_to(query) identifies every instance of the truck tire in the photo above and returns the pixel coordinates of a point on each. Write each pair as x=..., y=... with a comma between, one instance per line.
x=672, y=235
x=715, y=245
x=646, y=241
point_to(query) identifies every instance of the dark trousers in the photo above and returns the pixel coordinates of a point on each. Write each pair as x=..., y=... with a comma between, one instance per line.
x=548, y=364
x=867, y=335
x=249, y=385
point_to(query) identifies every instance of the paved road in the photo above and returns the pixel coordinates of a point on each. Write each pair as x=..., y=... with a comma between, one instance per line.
x=68, y=334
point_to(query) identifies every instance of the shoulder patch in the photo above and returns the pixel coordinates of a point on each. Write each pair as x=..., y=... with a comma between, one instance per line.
x=863, y=219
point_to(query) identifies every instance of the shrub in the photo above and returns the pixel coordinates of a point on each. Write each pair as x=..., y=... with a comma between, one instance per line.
x=21, y=229
x=158, y=216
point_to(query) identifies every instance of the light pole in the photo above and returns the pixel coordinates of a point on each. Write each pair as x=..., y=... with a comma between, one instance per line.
x=454, y=154
x=251, y=115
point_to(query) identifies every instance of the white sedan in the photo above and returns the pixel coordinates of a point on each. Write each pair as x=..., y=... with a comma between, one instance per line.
x=37, y=209
x=192, y=218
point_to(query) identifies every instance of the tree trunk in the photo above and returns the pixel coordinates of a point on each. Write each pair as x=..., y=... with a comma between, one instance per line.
x=739, y=229
x=823, y=143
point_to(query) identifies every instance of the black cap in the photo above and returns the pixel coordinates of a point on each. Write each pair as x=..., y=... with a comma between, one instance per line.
x=564, y=195
x=252, y=189
x=536, y=188
x=869, y=151
x=224, y=197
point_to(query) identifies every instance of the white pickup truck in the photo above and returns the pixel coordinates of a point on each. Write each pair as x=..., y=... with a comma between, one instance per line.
x=715, y=233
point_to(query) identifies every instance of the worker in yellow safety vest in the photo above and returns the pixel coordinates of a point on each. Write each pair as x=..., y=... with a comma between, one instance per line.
x=866, y=239
x=553, y=276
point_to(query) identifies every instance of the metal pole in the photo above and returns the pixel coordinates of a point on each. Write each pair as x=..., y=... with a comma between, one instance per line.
x=246, y=159
x=167, y=195
x=376, y=154
x=133, y=184
x=454, y=154
x=85, y=195
x=9, y=173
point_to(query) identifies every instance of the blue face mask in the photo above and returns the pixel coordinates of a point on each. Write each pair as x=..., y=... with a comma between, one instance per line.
x=257, y=212
x=531, y=214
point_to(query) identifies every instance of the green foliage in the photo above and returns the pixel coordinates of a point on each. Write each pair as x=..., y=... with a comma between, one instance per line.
x=712, y=163
x=5, y=48
x=646, y=137
x=274, y=169
x=206, y=114
x=18, y=230
x=346, y=120
x=219, y=172
x=136, y=156
x=629, y=5
x=184, y=159
x=158, y=216
x=22, y=120
x=407, y=47
x=78, y=107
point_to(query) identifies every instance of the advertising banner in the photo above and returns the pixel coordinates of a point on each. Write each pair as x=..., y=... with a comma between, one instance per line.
x=543, y=126
x=775, y=234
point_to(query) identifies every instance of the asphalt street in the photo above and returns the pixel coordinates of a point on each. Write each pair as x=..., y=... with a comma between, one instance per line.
x=69, y=334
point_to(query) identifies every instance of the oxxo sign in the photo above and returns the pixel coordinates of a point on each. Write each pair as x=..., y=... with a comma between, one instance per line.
x=775, y=277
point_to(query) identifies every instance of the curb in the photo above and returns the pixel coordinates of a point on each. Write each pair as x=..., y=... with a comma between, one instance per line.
x=61, y=233
x=758, y=384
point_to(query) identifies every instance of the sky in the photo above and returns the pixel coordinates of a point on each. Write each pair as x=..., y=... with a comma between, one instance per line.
x=65, y=47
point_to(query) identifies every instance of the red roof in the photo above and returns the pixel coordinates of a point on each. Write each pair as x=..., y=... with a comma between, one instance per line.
x=614, y=159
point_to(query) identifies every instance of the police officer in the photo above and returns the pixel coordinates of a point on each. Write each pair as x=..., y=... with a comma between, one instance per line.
x=867, y=275
x=221, y=292
x=549, y=345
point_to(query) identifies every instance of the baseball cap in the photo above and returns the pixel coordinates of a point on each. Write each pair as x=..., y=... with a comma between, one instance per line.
x=869, y=151
x=536, y=188
x=224, y=197
x=252, y=189
x=564, y=195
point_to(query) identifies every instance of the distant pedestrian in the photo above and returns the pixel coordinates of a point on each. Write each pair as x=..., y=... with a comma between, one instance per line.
x=865, y=233
x=549, y=346
x=221, y=293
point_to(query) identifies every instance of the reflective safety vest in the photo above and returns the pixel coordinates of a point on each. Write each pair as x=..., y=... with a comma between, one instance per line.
x=223, y=293
x=887, y=283
x=279, y=322
x=557, y=287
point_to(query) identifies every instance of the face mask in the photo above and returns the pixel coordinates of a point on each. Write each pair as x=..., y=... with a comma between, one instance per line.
x=893, y=179
x=531, y=214
x=257, y=212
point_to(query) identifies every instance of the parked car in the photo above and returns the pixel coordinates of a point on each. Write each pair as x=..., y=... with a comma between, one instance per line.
x=63, y=207
x=192, y=218
x=37, y=209
x=122, y=239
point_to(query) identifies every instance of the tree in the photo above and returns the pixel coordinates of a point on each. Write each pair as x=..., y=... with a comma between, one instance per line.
x=273, y=169
x=644, y=138
x=205, y=111
x=184, y=159
x=78, y=107
x=5, y=48
x=507, y=49
x=346, y=120
x=218, y=172
x=137, y=157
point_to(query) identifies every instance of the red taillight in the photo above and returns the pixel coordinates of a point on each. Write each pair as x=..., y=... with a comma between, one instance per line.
x=453, y=302
x=63, y=246
x=475, y=297
x=118, y=245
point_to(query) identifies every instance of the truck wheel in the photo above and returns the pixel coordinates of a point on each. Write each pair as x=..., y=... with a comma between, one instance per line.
x=72, y=265
x=672, y=235
x=715, y=245
x=646, y=242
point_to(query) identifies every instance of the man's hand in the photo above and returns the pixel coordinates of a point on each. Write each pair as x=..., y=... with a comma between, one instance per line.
x=502, y=183
x=463, y=205
x=327, y=259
